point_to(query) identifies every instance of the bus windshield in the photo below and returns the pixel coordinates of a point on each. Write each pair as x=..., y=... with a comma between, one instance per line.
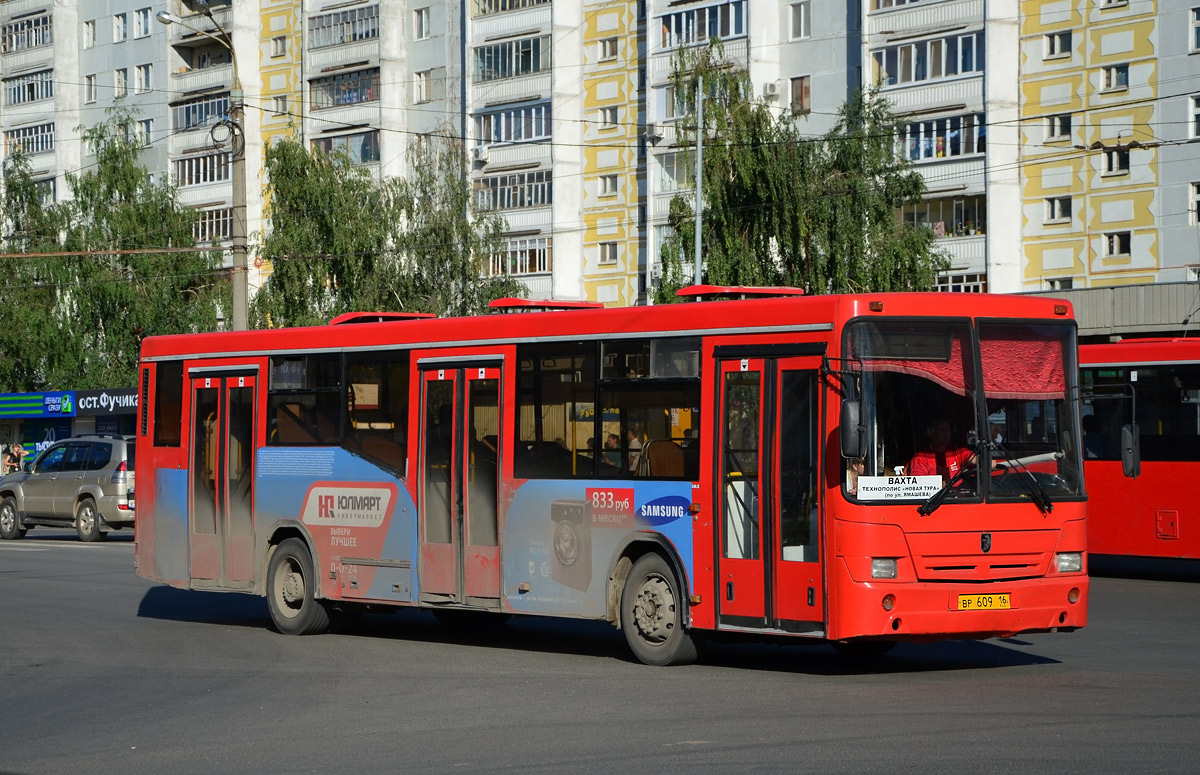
x=918, y=385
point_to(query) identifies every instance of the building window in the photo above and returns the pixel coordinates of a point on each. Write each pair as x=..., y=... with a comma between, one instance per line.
x=699, y=25
x=1116, y=244
x=202, y=170
x=608, y=185
x=1113, y=3
x=89, y=88
x=361, y=148
x=198, y=112
x=961, y=283
x=32, y=140
x=1196, y=116
x=120, y=27
x=1116, y=161
x=421, y=83
x=142, y=79
x=89, y=34
x=1060, y=283
x=1115, y=78
x=1196, y=29
x=120, y=82
x=1058, y=45
x=801, y=20
x=514, y=191
x=608, y=49
x=511, y=58
x=607, y=253
x=141, y=23
x=801, y=95
x=675, y=171
x=421, y=24
x=347, y=26
x=671, y=104
x=29, y=88
x=27, y=33
x=523, y=256
x=948, y=217
x=345, y=89
x=1058, y=209
x=608, y=118
x=928, y=60
x=279, y=46
x=279, y=104
x=489, y=7
x=513, y=125
x=213, y=226
x=1058, y=127
x=1195, y=208
x=940, y=138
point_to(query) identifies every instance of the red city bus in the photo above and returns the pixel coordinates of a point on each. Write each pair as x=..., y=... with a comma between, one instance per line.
x=735, y=465
x=1154, y=383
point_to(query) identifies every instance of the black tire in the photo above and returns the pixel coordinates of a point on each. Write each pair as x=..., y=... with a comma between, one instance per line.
x=864, y=648
x=87, y=521
x=652, y=614
x=291, y=589
x=10, y=520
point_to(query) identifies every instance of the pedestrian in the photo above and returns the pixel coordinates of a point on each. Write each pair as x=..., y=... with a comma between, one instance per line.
x=12, y=459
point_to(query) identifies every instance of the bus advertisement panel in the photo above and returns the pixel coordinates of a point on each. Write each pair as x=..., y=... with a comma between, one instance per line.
x=847, y=468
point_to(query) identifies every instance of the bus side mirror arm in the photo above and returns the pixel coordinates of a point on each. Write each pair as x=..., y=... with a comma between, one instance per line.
x=1131, y=451
x=850, y=428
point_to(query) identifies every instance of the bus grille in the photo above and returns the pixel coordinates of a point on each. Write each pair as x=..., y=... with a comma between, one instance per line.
x=981, y=567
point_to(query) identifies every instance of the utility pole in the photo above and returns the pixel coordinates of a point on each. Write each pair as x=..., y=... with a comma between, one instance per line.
x=699, y=169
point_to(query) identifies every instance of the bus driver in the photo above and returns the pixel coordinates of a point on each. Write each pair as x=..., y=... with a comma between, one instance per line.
x=940, y=458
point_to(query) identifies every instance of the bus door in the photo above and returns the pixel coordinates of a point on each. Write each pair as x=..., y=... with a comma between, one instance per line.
x=460, y=484
x=769, y=539
x=221, y=541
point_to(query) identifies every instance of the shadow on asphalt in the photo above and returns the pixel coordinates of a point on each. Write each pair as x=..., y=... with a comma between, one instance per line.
x=1150, y=568
x=538, y=634
x=51, y=534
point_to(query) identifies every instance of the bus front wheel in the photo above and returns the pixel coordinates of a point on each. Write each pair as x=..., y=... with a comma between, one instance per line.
x=291, y=590
x=652, y=614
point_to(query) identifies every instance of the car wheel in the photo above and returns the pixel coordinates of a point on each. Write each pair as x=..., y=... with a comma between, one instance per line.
x=10, y=520
x=87, y=521
x=291, y=591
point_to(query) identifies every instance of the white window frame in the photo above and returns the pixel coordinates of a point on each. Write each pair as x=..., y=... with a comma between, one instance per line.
x=89, y=34
x=800, y=15
x=421, y=24
x=421, y=86
x=606, y=253
x=89, y=88
x=279, y=46
x=1194, y=209
x=1196, y=29
x=1118, y=244
x=527, y=256
x=143, y=79
x=609, y=117
x=145, y=131
x=1058, y=45
x=1054, y=126
x=141, y=23
x=202, y=170
x=1116, y=161
x=1195, y=123
x=608, y=185
x=120, y=27
x=1059, y=209
x=279, y=104
x=608, y=48
x=120, y=82
x=1114, y=78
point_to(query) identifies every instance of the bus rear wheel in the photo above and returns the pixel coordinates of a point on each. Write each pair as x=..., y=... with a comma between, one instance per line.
x=652, y=614
x=291, y=591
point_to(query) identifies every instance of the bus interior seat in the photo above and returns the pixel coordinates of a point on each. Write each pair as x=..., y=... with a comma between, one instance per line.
x=661, y=457
x=290, y=426
x=385, y=451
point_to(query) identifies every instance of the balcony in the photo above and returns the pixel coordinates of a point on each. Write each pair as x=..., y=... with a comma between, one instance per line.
x=187, y=80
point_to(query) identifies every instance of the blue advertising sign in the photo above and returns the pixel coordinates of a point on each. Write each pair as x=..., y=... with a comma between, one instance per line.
x=33, y=405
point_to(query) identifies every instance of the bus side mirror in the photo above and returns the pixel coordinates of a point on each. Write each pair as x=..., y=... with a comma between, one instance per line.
x=1131, y=451
x=850, y=428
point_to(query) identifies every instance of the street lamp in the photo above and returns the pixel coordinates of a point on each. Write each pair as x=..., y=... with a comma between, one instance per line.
x=241, y=298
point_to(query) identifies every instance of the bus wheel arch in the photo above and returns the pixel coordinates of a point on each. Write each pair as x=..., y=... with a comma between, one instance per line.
x=292, y=584
x=653, y=611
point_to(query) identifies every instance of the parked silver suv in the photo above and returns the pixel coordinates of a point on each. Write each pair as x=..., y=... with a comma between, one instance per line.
x=84, y=482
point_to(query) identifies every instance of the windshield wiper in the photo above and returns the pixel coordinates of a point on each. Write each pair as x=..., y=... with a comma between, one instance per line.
x=939, y=497
x=1037, y=492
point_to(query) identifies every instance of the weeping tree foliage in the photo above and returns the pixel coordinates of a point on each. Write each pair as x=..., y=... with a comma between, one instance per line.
x=784, y=208
x=77, y=321
x=343, y=242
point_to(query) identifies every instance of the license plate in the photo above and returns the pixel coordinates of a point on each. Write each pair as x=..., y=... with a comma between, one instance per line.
x=995, y=602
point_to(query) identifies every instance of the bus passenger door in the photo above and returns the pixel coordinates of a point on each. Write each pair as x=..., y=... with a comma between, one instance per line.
x=221, y=541
x=770, y=574
x=459, y=488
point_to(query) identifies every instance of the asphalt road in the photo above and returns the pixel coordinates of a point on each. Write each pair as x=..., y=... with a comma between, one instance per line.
x=101, y=672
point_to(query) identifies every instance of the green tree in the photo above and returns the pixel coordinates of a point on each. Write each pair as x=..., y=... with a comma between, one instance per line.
x=784, y=208
x=132, y=273
x=343, y=242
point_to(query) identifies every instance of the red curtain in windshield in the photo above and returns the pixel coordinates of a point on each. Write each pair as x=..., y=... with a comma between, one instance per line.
x=954, y=374
x=1023, y=366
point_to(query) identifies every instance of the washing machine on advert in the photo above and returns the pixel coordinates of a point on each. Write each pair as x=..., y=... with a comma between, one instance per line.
x=572, y=524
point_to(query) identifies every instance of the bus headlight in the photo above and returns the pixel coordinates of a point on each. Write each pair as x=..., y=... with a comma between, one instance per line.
x=1070, y=562
x=883, y=567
